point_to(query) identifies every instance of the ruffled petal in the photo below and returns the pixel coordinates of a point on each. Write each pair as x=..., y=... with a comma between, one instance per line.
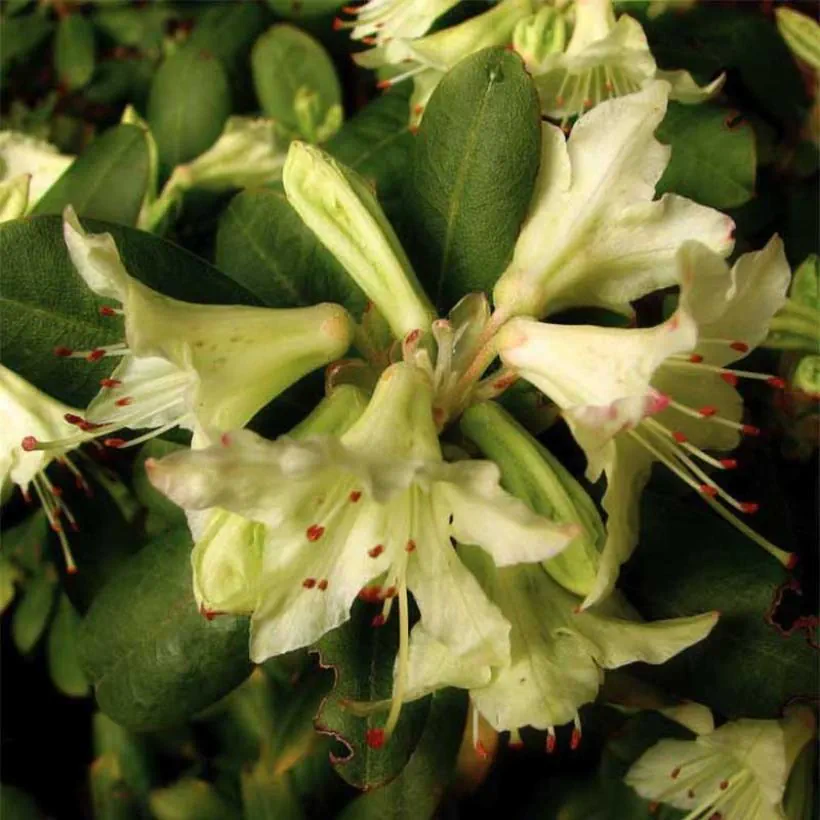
x=685, y=90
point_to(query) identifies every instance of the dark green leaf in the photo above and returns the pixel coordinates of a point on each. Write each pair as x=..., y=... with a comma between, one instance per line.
x=107, y=182
x=63, y=664
x=130, y=751
x=25, y=543
x=45, y=303
x=416, y=792
x=263, y=245
x=691, y=561
x=297, y=9
x=110, y=795
x=362, y=658
x=714, y=159
x=153, y=659
x=142, y=28
x=377, y=143
x=474, y=166
x=74, y=51
x=189, y=103
x=19, y=36
x=30, y=616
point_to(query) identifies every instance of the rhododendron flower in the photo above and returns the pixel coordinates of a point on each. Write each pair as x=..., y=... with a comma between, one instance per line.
x=604, y=58
x=736, y=772
x=664, y=393
x=207, y=368
x=594, y=234
x=378, y=21
x=370, y=513
x=25, y=156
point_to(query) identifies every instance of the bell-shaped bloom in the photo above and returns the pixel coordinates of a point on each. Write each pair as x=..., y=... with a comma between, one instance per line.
x=664, y=393
x=340, y=208
x=557, y=652
x=594, y=234
x=427, y=59
x=207, y=368
x=736, y=772
x=28, y=413
x=378, y=21
x=603, y=58
x=25, y=156
x=371, y=513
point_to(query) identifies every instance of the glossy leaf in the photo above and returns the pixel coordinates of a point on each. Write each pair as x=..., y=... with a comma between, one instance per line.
x=46, y=304
x=714, y=160
x=362, y=658
x=63, y=664
x=189, y=103
x=108, y=181
x=74, y=51
x=153, y=659
x=30, y=617
x=263, y=245
x=474, y=166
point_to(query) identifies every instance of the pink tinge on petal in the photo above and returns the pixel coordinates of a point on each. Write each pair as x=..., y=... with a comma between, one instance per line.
x=656, y=402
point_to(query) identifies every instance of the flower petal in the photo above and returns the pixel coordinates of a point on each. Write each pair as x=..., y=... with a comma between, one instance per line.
x=685, y=90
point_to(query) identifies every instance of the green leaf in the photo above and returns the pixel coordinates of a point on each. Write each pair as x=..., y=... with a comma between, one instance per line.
x=714, y=160
x=107, y=182
x=74, y=51
x=142, y=28
x=362, y=657
x=45, y=303
x=19, y=36
x=263, y=245
x=285, y=62
x=690, y=561
x=298, y=9
x=417, y=791
x=130, y=751
x=191, y=799
x=24, y=544
x=110, y=795
x=63, y=665
x=267, y=795
x=474, y=166
x=189, y=103
x=10, y=574
x=153, y=659
x=30, y=616
x=377, y=144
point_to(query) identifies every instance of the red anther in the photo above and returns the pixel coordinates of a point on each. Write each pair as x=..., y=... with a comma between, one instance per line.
x=550, y=743
x=675, y=772
x=792, y=562
x=695, y=358
x=225, y=440
x=776, y=382
x=208, y=614
x=413, y=129
x=338, y=24
x=110, y=382
x=375, y=738
x=517, y=745
x=740, y=347
x=124, y=401
x=371, y=595
x=355, y=496
x=95, y=355
x=418, y=110
x=750, y=507
x=708, y=489
x=750, y=430
x=72, y=570
x=309, y=583
x=657, y=402
x=378, y=621
x=679, y=437
x=370, y=41
x=376, y=551
x=114, y=443
x=105, y=310
x=708, y=411
x=73, y=418
x=314, y=532
x=63, y=351
x=87, y=426
x=390, y=592
x=383, y=84
x=724, y=784
x=481, y=750
x=29, y=443
x=728, y=463
x=729, y=378
x=58, y=491
x=575, y=739
x=55, y=526
x=410, y=546
x=322, y=585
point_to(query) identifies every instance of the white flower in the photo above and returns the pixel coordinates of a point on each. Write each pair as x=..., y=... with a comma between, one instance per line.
x=369, y=513
x=594, y=235
x=22, y=155
x=427, y=59
x=14, y=197
x=736, y=772
x=207, y=368
x=27, y=412
x=661, y=393
x=604, y=58
x=378, y=21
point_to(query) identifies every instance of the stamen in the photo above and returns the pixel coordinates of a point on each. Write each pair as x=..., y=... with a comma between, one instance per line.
x=376, y=551
x=401, y=672
x=410, y=546
x=124, y=402
x=515, y=740
x=314, y=532
x=354, y=496
x=575, y=739
x=551, y=740
x=107, y=310
x=110, y=383
x=309, y=583
x=322, y=585
x=371, y=595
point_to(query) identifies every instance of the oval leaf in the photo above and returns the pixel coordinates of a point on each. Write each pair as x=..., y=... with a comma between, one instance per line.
x=474, y=166
x=189, y=103
x=107, y=182
x=31, y=615
x=154, y=661
x=74, y=51
x=63, y=664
